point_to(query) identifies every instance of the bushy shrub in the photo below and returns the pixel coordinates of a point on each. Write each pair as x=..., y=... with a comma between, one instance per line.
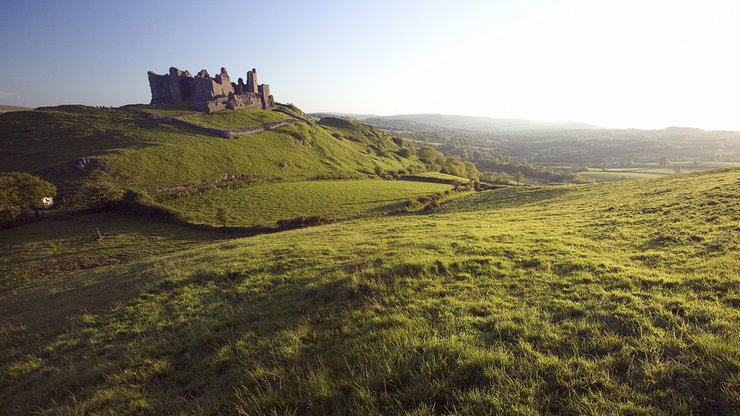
x=142, y=204
x=222, y=215
x=301, y=222
x=132, y=196
x=471, y=171
x=100, y=194
x=412, y=205
x=433, y=204
x=423, y=203
x=339, y=175
x=405, y=152
x=21, y=191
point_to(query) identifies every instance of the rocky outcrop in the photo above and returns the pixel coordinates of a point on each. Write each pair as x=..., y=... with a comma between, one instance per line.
x=86, y=164
x=210, y=94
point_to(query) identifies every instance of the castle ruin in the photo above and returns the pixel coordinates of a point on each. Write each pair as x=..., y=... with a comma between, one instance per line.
x=210, y=94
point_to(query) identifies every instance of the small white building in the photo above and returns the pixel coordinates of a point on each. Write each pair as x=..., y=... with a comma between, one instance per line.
x=47, y=201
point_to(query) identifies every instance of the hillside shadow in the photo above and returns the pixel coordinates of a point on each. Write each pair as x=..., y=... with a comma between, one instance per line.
x=194, y=348
x=59, y=264
x=392, y=208
x=51, y=140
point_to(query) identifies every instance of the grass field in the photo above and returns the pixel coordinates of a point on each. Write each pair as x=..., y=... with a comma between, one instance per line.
x=611, y=175
x=237, y=119
x=264, y=204
x=55, y=250
x=645, y=171
x=604, y=299
x=442, y=176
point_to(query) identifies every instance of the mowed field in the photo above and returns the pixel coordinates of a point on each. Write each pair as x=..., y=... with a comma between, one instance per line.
x=601, y=299
x=652, y=170
x=265, y=204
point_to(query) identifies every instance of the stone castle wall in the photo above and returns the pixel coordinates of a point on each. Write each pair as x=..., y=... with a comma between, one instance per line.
x=210, y=94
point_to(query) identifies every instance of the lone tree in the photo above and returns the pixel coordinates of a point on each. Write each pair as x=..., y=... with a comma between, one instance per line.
x=519, y=177
x=19, y=192
x=222, y=215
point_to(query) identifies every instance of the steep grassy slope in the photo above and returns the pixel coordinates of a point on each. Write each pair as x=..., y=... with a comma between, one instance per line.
x=139, y=152
x=599, y=299
x=264, y=204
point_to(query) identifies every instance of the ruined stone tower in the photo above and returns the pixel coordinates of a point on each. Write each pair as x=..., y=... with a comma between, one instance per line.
x=210, y=94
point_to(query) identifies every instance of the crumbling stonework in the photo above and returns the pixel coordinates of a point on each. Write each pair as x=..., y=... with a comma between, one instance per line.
x=210, y=94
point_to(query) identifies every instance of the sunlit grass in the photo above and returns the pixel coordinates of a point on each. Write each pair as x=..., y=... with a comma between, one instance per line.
x=264, y=204
x=600, y=299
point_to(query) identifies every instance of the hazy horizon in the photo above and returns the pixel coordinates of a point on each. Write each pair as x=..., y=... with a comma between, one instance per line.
x=627, y=64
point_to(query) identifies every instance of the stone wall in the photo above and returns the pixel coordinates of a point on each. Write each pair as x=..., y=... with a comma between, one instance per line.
x=248, y=100
x=211, y=106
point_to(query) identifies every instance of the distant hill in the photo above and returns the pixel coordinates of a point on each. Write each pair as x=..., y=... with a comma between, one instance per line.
x=356, y=116
x=9, y=108
x=561, y=142
x=477, y=124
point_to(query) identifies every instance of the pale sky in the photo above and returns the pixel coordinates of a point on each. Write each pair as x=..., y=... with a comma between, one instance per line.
x=619, y=63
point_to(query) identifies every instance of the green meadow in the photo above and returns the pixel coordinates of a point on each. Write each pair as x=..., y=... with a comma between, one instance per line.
x=264, y=204
x=604, y=299
x=644, y=171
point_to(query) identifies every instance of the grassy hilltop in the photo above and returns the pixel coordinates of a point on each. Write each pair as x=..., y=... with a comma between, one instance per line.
x=619, y=298
x=137, y=151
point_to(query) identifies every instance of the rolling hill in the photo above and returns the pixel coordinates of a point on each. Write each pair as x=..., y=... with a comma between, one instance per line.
x=65, y=144
x=471, y=123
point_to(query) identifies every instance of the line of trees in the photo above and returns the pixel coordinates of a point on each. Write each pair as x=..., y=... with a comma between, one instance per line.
x=451, y=165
